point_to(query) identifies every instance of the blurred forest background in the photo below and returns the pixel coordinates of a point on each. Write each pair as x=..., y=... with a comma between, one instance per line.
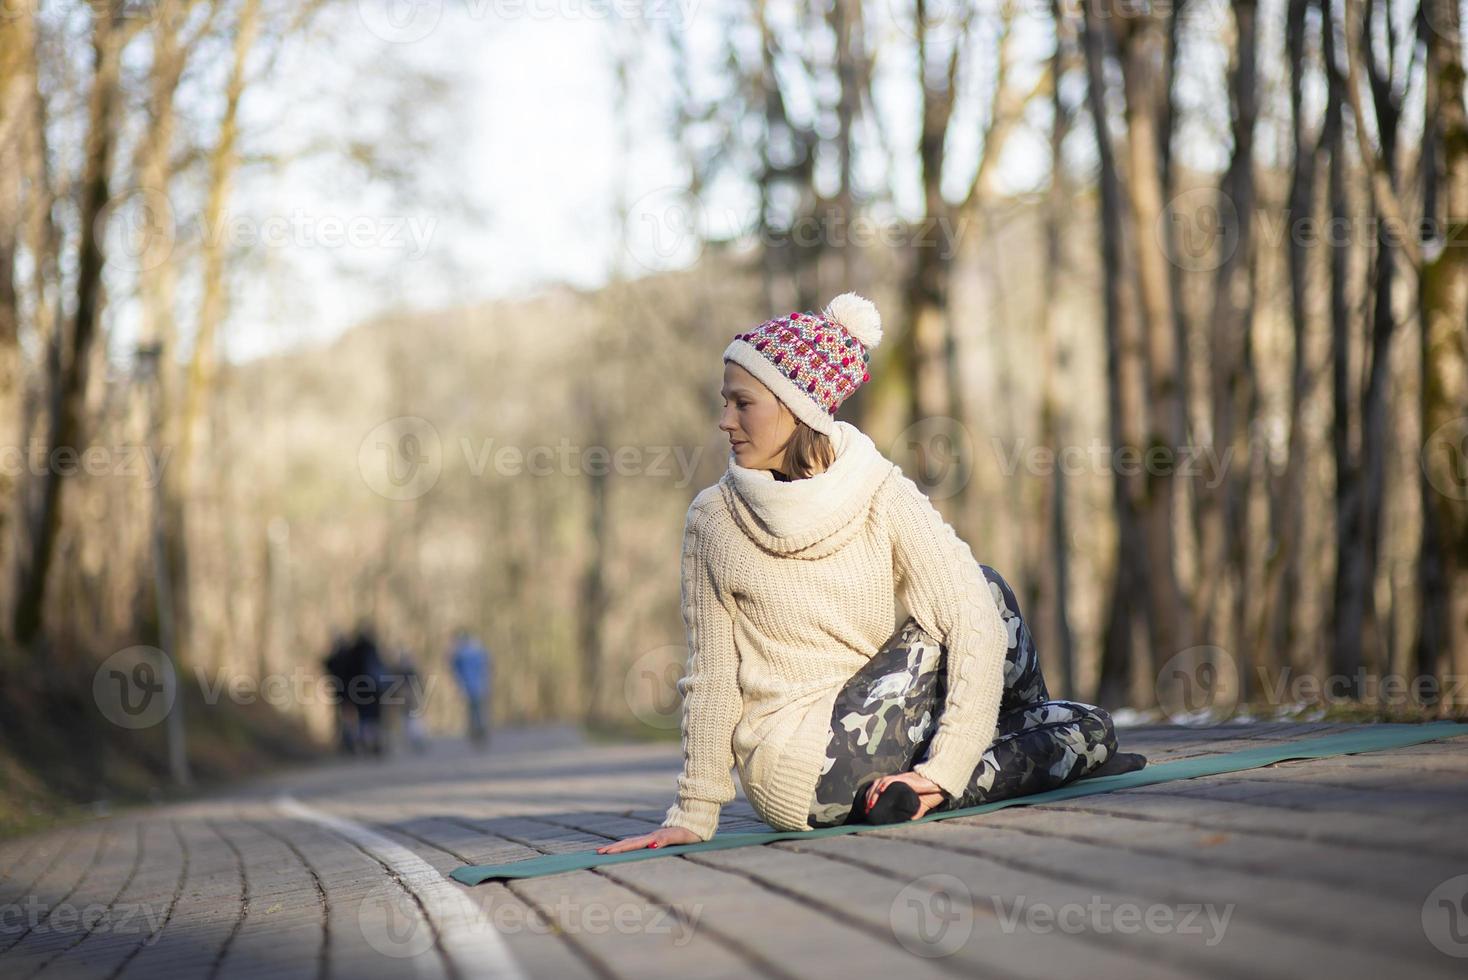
x=1226, y=238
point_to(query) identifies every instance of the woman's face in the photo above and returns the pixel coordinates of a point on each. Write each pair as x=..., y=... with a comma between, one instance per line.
x=757, y=423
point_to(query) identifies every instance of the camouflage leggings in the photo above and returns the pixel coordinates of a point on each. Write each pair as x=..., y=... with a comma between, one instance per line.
x=886, y=714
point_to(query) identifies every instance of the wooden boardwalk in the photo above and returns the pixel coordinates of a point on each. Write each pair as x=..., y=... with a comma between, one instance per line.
x=1354, y=866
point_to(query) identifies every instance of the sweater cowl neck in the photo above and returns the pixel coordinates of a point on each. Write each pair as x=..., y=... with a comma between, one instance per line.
x=810, y=517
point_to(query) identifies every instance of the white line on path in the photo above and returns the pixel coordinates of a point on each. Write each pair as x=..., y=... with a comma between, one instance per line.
x=469, y=940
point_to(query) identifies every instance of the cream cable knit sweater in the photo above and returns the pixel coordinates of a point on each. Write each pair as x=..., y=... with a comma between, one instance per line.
x=787, y=589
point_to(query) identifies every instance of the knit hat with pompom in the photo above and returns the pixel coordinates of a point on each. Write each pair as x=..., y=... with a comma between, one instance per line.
x=812, y=362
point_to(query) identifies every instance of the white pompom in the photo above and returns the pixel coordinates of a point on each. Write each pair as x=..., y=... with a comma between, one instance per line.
x=859, y=316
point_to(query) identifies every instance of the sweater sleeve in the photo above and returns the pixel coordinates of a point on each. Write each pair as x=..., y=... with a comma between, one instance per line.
x=942, y=585
x=712, y=704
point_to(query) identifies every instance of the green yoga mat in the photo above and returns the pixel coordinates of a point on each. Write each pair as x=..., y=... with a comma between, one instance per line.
x=1371, y=738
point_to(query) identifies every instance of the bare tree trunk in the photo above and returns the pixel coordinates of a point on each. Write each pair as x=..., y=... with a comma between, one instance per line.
x=200, y=380
x=1055, y=358
x=157, y=276
x=1224, y=551
x=149, y=371
x=783, y=260
x=157, y=283
x=594, y=591
x=1345, y=636
x=919, y=375
x=1188, y=492
x=594, y=588
x=926, y=331
x=1444, y=306
x=1377, y=397
x=845, y=20
x=1249, y=451
x=42, y=241
x=1431, y=645
x=71, y=354
x=1143, y=42
x=15, y=87
x=1123, y=391
x=1287, y=512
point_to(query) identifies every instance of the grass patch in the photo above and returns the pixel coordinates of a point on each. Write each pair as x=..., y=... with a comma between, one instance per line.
x=62, y=761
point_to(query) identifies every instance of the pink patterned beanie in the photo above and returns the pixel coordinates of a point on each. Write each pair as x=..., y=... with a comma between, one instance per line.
x=812, y=362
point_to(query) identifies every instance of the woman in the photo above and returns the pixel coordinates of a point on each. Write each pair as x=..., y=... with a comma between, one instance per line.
x=791, y=566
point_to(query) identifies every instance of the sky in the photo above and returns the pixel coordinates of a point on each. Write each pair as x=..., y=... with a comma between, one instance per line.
x=522, y=159
x=527, y=160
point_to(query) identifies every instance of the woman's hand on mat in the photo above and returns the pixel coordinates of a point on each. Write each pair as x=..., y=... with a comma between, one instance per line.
x=930, y=794
x=662, y=837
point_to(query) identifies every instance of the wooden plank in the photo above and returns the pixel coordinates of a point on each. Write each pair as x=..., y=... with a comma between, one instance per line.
x=1325, y=865
x=1222, y=809
x=888, y=903
x=622, y=933
x=1405, y=806
x=1259, y=938
x=1433, y=786
x=1428, y=757
x=941, y=906
x=532, y=934
x=1264, y=853
x=1218, y=740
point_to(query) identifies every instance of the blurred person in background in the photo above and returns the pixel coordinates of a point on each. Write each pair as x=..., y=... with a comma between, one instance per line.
x=365, y=689
x=337, y=664
x=471, y=666
x=409, y=701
